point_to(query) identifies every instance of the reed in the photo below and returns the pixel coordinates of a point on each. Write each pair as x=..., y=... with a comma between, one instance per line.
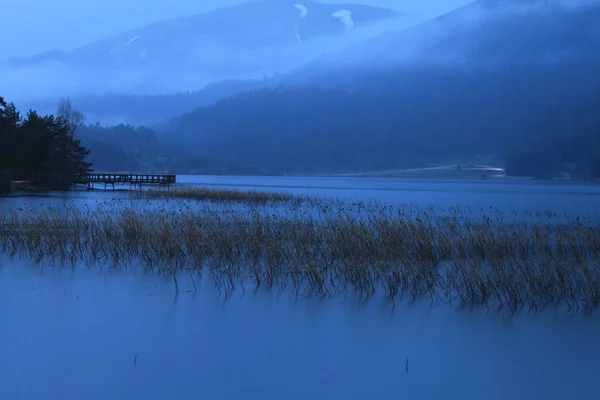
x=218, y=195
x=329, y=249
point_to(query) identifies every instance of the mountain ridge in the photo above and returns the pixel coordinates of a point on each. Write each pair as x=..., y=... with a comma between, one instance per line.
x=232, y=26
x=393, y=114
x=183, y=54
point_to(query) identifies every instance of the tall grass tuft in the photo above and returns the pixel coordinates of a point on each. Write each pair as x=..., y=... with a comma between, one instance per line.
x=218, y=195
x=329, y=249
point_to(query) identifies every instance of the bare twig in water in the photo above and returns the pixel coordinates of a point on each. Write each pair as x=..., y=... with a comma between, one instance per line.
x=194, y=283
x=219, y=195
x=176, y=284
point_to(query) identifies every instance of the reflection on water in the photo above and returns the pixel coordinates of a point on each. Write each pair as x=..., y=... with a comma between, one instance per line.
x=96, y=334
x=561, y=200
x=101, y=334
x=574, y=197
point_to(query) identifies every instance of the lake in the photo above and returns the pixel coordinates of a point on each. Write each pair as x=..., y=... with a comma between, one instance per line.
x=573, y=197
x=500, y=195
x=102, y=333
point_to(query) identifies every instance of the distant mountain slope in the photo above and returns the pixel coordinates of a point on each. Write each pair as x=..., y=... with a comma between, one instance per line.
x=538, y=31
x=474, y=87
x=245, y=27
x=112, y=109
x=300, y=130
x=481, y=35
x=564, y=143
x=491, y=33
x=249, y=40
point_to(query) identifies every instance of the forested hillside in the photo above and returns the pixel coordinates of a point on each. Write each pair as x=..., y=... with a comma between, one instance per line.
x=297, y=130
x=484, y=94
x=114, y=108
x=515, y=84
x=429, y=118
x=565, y=142
x=125, y=148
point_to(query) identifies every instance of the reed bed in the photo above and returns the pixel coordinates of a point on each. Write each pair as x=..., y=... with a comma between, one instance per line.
x=375, y=250
x=218, y=195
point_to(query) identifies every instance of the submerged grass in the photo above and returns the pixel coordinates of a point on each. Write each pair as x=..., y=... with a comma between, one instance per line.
x=328, y=251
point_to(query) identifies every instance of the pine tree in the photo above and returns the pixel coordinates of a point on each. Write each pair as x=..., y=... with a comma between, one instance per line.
x=40, y=145
x=9, y=143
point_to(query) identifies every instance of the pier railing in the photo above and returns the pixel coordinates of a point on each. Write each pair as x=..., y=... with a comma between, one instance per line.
x=61, y=181
x=131, y=179
x=134, y=179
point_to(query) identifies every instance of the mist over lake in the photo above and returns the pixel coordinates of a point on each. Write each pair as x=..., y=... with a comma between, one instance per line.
x=285, y=199
x=119, y=332
x=79, y=333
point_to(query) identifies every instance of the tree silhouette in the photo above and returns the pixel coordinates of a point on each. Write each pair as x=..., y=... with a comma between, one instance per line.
x=39, y=144
x=73, y=118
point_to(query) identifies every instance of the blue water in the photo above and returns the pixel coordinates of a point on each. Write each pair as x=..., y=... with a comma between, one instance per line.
x=76, y=335
x=573, y=197
x=503, y=196
x=105, y=334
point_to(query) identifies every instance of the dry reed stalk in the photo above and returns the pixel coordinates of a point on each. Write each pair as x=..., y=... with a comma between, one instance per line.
x=364, y=249
x=218, y=195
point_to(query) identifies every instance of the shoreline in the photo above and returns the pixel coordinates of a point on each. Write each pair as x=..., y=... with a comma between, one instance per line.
x=25, y=187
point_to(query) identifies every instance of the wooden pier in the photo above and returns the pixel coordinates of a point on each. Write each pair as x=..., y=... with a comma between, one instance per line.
x=131, y=179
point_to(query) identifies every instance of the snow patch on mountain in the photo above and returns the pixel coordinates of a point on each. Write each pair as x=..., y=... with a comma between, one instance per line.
x=345, y=16
x=303, y=10
x=303, y=13
x=127, y=43
x=298, y=38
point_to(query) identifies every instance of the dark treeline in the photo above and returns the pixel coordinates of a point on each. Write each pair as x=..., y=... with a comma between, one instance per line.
x=496, y=101
x=35, y=147
x=119, y=148
x=125, y=148
x=54, y=150
x=145, y=110
x=400, y=119
x=317, y=130
x=566, y=142
x=314, y=130
x=476, y=87
x=152, y=109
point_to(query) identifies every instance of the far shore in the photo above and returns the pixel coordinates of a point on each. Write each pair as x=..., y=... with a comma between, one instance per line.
x=12, y=187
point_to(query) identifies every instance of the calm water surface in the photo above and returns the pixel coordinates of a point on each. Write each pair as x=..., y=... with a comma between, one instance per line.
x=75, y=335
x=505, y=196
x=101, y=334
x=509, y=195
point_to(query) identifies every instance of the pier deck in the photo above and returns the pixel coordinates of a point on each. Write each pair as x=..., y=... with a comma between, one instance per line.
x=131, y=179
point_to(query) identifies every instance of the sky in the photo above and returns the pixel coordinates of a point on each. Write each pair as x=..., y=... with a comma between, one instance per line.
x=34, y=26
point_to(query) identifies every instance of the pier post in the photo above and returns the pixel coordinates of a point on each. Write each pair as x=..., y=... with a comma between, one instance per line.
x=134, y=180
